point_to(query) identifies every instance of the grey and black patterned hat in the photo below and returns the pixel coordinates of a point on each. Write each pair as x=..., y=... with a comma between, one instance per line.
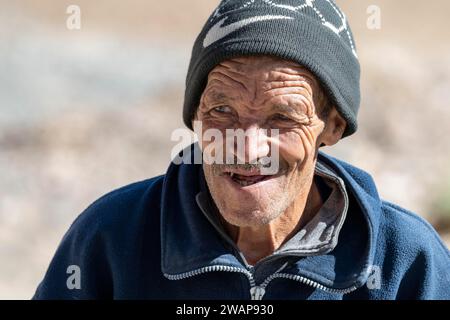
x=313, y=33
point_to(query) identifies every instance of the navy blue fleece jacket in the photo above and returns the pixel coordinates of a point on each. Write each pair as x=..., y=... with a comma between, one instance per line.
x=149, y=240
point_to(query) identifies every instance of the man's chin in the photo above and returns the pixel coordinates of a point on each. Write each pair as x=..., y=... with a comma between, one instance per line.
x=249, y=219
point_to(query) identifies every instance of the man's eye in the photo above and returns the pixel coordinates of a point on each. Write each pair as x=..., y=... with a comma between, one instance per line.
x=281, y=117
x=222, y=109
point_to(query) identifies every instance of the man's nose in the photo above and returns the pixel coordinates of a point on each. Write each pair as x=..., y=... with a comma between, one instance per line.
x=256, y=145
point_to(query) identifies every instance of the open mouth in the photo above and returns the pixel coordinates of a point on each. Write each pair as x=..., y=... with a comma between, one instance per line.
x=247, y=180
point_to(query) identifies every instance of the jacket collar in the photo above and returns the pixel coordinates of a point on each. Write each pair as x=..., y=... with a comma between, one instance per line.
x=318, y=236
x=190, y=242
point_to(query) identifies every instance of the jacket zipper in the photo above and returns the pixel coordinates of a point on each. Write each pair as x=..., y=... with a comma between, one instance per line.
x=196, y=272
x=257, y=292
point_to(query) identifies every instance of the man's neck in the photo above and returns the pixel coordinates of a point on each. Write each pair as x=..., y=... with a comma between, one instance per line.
x=258, y=242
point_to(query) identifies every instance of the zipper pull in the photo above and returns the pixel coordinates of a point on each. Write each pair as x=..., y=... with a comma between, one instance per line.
x=257, y=293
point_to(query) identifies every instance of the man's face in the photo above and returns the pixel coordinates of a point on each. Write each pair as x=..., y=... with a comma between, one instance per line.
x=255, y=93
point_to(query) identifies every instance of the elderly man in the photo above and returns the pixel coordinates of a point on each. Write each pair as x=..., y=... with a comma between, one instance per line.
x=286, y=73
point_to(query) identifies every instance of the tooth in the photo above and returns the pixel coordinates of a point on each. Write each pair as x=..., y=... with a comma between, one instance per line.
x=231, y=174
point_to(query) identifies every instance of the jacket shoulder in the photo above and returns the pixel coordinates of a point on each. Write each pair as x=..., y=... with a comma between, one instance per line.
x=412, y=255
x=117, y=205
x=100, y=238
x=405, y=225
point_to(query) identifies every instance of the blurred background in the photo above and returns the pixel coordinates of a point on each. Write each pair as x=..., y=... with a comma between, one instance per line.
x=85, y=111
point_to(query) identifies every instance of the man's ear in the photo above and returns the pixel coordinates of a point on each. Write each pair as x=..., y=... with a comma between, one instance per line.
x=334, y=128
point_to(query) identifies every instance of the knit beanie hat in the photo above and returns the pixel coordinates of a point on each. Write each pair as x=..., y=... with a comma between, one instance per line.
x=313, y=33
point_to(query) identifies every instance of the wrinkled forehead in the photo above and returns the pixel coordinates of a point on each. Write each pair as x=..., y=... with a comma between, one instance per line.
x=263, y=68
